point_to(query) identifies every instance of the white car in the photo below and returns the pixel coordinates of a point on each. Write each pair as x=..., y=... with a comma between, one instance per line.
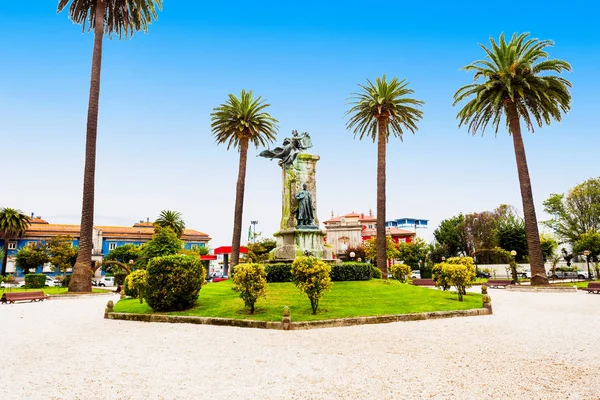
x=416, y=274
x=107, y=281
x=50, y=282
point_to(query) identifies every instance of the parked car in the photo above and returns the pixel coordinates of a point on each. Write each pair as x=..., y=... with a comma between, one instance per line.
x=481, y=274
x=568, y=275
x=107, y=281
x=50, y=282
x=416, y=274
x=94, y=282
x=12, y=285
x=219, y=278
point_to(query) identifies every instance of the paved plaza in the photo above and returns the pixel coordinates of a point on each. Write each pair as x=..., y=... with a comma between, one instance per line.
x=535, y=346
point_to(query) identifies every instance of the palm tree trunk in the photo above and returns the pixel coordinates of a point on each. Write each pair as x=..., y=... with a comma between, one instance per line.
x=239, y=203
x=5, y=258
x=536, y=259
x=81, y=278
x=381, y=241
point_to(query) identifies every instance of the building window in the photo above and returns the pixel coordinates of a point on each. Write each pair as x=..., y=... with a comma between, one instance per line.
x=371, y=226
x=12, y=245
x=32, y=244
x=194, y=246
x=112, y=246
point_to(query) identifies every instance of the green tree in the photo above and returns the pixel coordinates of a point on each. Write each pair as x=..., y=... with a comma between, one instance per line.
x=549, y=246
x=165, y=242
x=312, y=277
x=123, y=18
x=589, y=241
x=378, y=110
x=125, y=253
x=259, y=251
x=30, y=257
x=511, y=235
x=451, y=237
x=238, y=122
x=62, y=253
x=171, y=219
x=13, y=224
x=414, y=253
x=250, y=280
x=576, y=213
x=519, y=84
x=391, y=249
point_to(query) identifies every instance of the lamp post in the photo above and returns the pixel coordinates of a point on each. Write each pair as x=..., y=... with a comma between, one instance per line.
x=513, y=253
x=443, y=259
x=352, y=255
x=586, y=253
x=253, y=223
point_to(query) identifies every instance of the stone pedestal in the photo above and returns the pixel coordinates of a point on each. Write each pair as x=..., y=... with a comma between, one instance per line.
x=293, y=241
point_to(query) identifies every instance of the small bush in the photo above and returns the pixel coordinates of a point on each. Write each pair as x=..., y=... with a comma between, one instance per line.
x=311, y=276
x=351, y=271
x=35, y=281
x=401, y=272
x=279, y=272
x=129, y=292
x=250, y=280
x=426, y=272
x=174, y=282
x=137, y=282
x=375, y=272
x=458, y=272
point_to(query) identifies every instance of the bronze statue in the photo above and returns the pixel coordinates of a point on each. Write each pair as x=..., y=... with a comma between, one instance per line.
x=305, y=211
x=290, y=149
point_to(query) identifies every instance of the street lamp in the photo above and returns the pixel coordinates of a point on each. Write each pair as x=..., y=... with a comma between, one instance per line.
x=586, y=253
x=352, y=255
x=443, y=259
x=513, y=253
x=253, y=223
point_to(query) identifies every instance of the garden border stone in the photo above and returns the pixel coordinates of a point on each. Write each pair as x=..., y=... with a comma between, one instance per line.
x=328, y=323
x=540, y=289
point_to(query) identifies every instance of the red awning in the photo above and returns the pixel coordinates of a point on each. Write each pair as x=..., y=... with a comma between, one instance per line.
x=227, y=250
x=208, y=257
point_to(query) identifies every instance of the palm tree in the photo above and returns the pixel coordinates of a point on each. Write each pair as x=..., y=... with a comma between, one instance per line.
x=519, y=84
x=378, y=110
x=171, y=219
x=238, y=122
x=122, y=17
x=13, y=224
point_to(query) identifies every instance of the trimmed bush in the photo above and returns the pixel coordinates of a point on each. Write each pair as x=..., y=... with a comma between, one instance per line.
x=401, y=272
x=250, y=280
x=426, y=272
x=351, y=271
x=137, y=282
x=279, y=272
x=35, y=281
x=375, y=272
x=311, y=276
x=174, y=282
x=129, y=292
x=458, y=272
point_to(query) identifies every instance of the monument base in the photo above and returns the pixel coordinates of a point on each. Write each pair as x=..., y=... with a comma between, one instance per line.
x=294, y=242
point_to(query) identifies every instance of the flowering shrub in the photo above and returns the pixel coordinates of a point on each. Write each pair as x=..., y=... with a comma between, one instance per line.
x=136, y=283
x=311, y=276
x=250, y=280
x=456, y=271
x=401, y=272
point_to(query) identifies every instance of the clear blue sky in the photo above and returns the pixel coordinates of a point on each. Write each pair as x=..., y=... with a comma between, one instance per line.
x=155, y=148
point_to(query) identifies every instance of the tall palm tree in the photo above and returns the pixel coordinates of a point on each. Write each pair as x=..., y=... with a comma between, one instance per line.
x=121, y=17
x=378, y=110
x=13, y=224
x=238, y=122
x=518, y=82
x=171, y=219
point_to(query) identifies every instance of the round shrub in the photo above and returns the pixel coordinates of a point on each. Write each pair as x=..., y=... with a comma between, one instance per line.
x=401, y=272
x=312, y=277
x=35, y=281
x=250, y=280
x=376, y=272
x=137, y=282
x=174, y=282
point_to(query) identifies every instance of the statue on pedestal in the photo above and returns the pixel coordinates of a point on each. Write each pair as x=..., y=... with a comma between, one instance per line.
x=290, y=149
x=305, y=210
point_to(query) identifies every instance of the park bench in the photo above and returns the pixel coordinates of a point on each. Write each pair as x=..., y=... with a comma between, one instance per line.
x=423, y=282
x=498, y=282
x=37, y=295
x=593, y=287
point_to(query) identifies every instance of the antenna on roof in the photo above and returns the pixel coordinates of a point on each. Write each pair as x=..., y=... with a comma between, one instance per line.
x=32, y=214
x=147, y=220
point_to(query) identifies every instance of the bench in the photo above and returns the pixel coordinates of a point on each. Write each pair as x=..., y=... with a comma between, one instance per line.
x=37, y=295
x=593, y=287
x=423, y=282
x=498, y=282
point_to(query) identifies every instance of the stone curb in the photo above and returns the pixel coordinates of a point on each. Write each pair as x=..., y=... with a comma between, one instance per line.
x=331, y=323
x=76, y=296
x=541, y=289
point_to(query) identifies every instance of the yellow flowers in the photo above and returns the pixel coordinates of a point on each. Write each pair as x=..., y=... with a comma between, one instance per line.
x=401, y=272
x=456, y=271
x=312, y=277
x=250, y=280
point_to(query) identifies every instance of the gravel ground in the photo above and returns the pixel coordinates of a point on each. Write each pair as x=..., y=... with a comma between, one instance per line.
x=535, y=346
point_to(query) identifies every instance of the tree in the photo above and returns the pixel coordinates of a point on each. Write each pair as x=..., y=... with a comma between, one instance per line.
x=238, y=122
x=123, y=18
x=13, y=224
x=391, y=249
x=125, y=253
x=549, y=246
x=479, y=231
x=259, y=251
x=576, y=213
x=165, y=242
x=378, y=110
x=511, y=235
x=312, y=277
x=250, y=280
x=62, y=253
x=589, y=241
x=171, y=219
x=359, y=253
x=519, y=84
x=414, y=253
x=450, y=236
x=31, y=257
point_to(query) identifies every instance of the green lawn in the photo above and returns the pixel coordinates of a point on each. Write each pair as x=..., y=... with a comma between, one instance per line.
x=579, y=284
x=47, y=290
x=346, y=299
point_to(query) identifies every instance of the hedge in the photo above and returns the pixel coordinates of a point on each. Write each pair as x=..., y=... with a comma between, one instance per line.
x=278, y=272
x=348, y=271
x=35, y=281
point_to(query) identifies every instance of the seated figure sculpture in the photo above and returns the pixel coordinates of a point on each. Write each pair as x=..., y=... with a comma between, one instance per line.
x=290, y=149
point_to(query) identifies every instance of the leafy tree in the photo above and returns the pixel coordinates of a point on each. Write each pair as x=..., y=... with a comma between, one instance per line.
x=62, y=253
x=414, y=253
x=576, y=213
x=391, y=249
x=378, y=110
x=259, y=251
x=312, y=277
x=137, y=282
x=401, y=272
x=250, y=280
x=451, y=237
x=13, y=224
x=479, y=231
x=165, y=242
x=123, y=18
x=359, y=253
x=30, y=257
x=519, y=84
x=549, y=246
x=125, y=253
x=171, y=219
x=511, y=235
x=458, y=272
x=589, y=241
x=238, y=122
